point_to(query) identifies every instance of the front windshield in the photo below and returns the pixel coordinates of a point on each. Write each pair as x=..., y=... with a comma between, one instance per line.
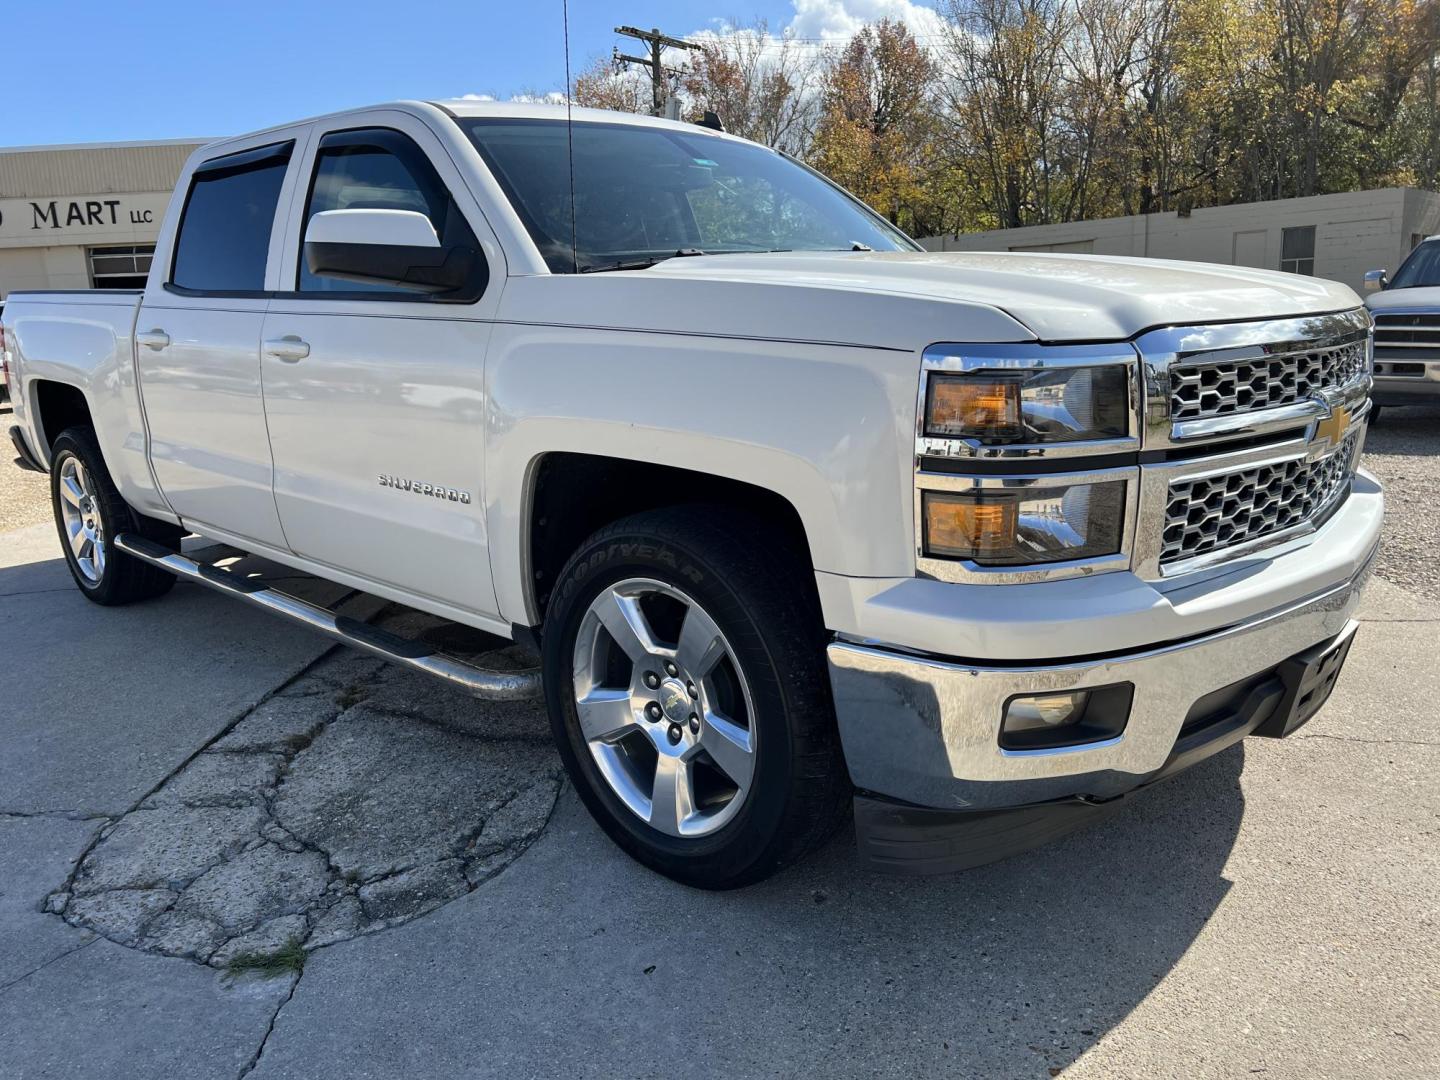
x=1420, y=269
x=647, y=193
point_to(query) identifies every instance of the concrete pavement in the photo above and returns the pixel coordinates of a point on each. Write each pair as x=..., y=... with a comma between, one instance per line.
x=1271, y=912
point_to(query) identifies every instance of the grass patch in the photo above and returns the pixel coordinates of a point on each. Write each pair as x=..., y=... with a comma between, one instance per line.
x=289, y=959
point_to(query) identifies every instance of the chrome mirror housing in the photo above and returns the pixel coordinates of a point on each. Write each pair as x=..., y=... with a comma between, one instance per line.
x=1375, y=280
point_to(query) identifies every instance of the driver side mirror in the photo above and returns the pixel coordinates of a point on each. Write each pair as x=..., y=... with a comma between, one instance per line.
x=384, y=247
x=1375, y=280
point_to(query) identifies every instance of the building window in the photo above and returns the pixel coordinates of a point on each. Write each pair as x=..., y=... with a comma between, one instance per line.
x=1416, y=239
x=1297, y=250
x=120, y=267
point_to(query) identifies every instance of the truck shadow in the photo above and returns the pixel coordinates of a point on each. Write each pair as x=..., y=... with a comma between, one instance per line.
x=1018, y=967
x=1405, y=431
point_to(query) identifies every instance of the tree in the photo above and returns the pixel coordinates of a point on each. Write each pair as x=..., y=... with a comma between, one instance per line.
x=757, y=84
x=877, y=126
x=601, y=86
x=1003, y=92
x=1032, y=111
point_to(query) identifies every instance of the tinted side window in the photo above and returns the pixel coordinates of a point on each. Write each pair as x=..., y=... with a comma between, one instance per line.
x=380, y=169
x=225, y=227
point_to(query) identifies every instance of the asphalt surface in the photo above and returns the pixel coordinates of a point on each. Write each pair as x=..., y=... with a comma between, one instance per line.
x=24, y=496
x=1271, y=912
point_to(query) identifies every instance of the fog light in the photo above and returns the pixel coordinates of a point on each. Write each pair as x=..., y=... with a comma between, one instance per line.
x=1068, y=718
x=1044, y=711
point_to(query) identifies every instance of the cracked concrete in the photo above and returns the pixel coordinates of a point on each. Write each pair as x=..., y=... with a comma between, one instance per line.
x=303, y=821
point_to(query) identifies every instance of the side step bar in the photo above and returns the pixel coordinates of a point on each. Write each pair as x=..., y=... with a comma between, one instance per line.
x=490, y=685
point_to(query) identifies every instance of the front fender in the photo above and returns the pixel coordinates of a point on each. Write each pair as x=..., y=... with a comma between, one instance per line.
x=828, y=428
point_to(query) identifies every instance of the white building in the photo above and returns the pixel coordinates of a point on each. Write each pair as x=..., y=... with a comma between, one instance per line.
x=85, y=216
x=1331, y=236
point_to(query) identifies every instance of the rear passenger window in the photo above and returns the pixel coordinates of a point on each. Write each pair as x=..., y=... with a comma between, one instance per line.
x=382, y=169
x=225, y=227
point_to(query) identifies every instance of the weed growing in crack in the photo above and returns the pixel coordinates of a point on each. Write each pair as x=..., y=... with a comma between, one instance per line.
x=351, y=695
x=289, y=959
x=298, y=741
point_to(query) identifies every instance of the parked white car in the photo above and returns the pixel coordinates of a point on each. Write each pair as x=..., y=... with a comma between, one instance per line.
x=1406, y=310
x=797, y=514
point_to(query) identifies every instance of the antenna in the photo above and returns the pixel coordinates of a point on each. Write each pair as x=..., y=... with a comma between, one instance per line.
x=570, y=137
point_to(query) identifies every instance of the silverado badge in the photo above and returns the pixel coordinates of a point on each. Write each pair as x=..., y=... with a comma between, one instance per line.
x=435, y=491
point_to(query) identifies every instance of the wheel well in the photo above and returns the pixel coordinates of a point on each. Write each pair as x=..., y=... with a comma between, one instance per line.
x=573, y=495
x=59, y=406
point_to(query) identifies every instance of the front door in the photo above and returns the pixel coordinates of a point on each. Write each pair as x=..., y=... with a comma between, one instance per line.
x=375, y=392
x=198, y=348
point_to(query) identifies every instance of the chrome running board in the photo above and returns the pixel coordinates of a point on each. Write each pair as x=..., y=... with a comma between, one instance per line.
x=407, y=652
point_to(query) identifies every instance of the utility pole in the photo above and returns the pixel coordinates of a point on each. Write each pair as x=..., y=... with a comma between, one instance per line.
x=658, y=43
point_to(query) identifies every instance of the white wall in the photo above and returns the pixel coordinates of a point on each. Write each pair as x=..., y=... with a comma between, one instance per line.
x=1354, y=232
x=43, y=268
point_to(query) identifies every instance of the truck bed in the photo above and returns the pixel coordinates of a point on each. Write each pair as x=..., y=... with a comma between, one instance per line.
x=81, y=338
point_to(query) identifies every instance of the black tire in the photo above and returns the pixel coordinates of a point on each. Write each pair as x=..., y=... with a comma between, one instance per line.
x=123, y=579
x=1374, y=414
x=758, y=595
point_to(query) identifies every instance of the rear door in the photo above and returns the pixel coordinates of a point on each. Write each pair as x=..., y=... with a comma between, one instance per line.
x=375, y=393
x=197, y=340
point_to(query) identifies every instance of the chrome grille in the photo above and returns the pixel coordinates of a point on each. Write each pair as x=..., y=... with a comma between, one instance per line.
x=1227, y=387
x=1407, y=336
x=1211, y=513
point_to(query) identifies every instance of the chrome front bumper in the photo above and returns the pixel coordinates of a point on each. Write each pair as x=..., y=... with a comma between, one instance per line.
x=926, y=730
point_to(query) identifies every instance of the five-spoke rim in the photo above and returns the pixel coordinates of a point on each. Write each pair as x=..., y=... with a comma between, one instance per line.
x=80, y=514
x=664, y=707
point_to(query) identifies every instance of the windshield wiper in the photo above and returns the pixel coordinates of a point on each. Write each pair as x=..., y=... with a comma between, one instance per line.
x=638, y=264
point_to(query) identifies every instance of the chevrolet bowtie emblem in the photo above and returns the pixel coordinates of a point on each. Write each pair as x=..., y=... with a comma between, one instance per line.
x=1329, y=430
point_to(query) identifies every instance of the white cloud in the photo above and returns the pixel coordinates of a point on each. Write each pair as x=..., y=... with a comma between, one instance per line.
x=837, y=20
x=554, y=97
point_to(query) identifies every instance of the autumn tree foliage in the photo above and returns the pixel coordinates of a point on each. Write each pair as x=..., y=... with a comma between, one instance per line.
x=1021, y=112
x=758, y=84
x=876, y=131
x=602, y=86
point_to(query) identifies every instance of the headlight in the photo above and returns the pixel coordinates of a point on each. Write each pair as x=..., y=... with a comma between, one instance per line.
x=1015, y=527
x=1037, y=405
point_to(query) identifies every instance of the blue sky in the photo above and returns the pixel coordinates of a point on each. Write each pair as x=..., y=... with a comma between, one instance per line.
x=97, y=70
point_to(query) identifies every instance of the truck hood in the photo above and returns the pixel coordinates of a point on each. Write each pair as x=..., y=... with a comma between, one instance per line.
x=1425, y=298
x=1059, y=297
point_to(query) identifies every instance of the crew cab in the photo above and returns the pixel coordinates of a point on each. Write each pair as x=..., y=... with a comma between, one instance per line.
x=1406, y=310
x=798, y=517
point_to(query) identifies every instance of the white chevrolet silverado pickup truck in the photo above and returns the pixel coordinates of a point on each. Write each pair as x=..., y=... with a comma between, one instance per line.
x=798, y=517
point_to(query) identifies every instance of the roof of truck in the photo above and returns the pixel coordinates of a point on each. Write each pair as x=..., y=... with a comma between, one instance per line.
x=468, y=107
x=536, y=110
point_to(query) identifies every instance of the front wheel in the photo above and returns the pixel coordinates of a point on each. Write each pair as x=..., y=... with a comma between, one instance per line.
x=686, y=684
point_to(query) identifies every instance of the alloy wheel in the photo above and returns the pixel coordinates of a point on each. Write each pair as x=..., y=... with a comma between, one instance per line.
x=664, y=708
x=80, y=513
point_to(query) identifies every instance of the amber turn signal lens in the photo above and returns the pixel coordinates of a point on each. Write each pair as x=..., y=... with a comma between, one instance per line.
x=967, y=528
x=982, y=408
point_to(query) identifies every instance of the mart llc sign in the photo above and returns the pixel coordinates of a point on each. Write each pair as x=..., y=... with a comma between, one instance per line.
x=46, y=220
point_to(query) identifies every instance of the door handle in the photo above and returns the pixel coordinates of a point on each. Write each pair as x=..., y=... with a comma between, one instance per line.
x=153, y=339
x=288, y=348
